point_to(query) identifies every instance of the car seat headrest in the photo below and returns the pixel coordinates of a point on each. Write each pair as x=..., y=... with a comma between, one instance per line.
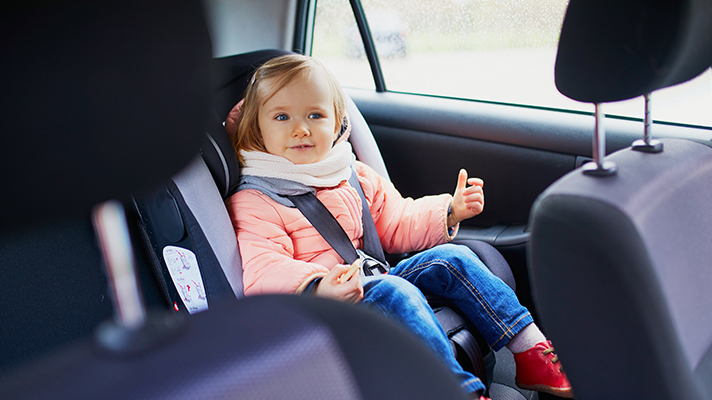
x=100, y=100
x=220, y=158
x=231, y=76
x=235, y=74
x=612, y=50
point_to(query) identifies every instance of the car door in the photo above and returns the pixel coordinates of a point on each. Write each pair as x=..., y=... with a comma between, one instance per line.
x=464, y=84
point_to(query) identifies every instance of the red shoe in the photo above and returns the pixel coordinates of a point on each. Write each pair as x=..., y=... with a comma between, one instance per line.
x=477, y=396
x=537, y=369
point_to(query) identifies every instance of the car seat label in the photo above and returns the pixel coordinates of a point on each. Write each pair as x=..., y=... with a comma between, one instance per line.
x=183, y=267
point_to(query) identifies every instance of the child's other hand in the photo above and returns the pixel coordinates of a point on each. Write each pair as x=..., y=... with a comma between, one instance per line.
x=467, y=201
x=350, y=291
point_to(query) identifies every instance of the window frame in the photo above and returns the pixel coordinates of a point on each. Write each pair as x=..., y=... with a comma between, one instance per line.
x=304, y=33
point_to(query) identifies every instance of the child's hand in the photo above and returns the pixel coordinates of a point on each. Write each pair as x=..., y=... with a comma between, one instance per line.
x=467, y=201
x=350, y=291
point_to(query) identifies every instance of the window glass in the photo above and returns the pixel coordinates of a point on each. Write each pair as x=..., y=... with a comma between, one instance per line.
x=491, y=50
x=337, y=43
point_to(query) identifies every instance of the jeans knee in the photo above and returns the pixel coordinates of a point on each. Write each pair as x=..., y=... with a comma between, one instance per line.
x=458, y=250
x=393, y=287
x=455, y=255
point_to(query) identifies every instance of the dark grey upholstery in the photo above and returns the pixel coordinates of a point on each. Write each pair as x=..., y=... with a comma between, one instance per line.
x=620, y=264
x=613, y=50
x=87, y=88
x=621, y=274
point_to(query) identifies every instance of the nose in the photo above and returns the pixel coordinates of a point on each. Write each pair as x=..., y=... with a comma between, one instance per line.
x=300, y=131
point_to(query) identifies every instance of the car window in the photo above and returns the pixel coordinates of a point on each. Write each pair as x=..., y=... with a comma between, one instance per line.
x=337, y=43
x=489, y=50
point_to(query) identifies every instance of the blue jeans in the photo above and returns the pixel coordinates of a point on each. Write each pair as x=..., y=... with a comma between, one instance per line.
x=399, y=300
x=456, y=273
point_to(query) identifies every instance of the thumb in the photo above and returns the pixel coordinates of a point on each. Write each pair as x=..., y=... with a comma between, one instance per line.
x=461, y=179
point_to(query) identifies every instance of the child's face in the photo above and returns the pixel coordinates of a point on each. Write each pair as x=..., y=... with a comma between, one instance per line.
x=299, y=121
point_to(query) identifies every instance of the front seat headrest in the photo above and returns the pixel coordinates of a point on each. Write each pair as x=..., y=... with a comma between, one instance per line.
x=613, y=50
x=99, y=100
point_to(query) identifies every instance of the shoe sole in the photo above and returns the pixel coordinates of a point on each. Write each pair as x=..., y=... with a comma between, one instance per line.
x=565, y=393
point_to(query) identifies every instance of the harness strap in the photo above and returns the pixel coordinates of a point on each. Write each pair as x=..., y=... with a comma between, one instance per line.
x=328, y=227
x=316, y=212
x=371, y=241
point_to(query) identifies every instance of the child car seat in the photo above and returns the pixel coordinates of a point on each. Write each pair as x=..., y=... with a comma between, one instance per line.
x=216, y=174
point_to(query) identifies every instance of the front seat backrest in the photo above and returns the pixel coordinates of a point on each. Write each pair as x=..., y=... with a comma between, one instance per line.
x=88, y=114
x=620, y=262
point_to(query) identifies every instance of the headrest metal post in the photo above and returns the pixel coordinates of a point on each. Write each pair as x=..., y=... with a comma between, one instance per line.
x=646, y=144
x=132, y=331
x=599, y=167
x=111, y=228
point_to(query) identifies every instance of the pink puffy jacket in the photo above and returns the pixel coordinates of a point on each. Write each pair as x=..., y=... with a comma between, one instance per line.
x=282, y=252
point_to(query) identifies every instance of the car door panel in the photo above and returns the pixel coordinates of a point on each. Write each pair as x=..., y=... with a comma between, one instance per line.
x=424, y=163
x=517, y=150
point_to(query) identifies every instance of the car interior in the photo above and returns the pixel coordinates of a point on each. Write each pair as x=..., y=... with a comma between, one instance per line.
x=118, y=165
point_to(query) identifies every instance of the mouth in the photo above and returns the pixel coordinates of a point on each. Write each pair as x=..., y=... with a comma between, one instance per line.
x=301, y=147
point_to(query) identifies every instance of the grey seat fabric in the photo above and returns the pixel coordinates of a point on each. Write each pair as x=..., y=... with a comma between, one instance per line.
x=620, y=261
x=621, y=273
x=202, y=196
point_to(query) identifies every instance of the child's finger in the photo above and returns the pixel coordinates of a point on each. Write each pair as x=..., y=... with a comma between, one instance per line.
x=473, y=191
x=335, y=273
x=474, y=188
x=475, y=203
x=474, y=198
x=476, y=182
x=462, y=179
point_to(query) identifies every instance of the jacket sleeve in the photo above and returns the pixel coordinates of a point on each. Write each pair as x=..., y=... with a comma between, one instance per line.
x=404, y=224
x=266, y=249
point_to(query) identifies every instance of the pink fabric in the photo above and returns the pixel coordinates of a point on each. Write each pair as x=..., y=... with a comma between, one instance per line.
x=281, y=251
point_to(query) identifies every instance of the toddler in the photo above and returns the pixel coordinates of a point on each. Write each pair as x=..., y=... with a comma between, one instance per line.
x=291, y=139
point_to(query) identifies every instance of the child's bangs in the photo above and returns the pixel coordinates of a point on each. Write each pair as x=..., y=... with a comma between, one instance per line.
x=278, y=76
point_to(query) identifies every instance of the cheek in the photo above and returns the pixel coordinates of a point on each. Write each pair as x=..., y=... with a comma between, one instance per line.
x=269, y=142
x=268, y=137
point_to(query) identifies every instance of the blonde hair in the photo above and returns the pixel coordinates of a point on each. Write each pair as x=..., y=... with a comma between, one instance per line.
x=270, y=78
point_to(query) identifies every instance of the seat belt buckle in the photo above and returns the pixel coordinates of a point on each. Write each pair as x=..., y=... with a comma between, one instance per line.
x=371, y=266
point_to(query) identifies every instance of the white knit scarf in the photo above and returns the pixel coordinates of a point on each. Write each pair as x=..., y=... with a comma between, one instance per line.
x=329, y=172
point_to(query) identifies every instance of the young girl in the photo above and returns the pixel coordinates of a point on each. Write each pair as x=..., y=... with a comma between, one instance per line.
x=289, y=140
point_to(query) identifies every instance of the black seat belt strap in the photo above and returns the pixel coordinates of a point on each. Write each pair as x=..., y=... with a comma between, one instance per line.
x=371, y=241
x=325, y=223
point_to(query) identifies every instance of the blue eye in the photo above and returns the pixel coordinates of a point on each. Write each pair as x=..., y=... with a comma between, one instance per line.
x=282, y=117
x=315, y=116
